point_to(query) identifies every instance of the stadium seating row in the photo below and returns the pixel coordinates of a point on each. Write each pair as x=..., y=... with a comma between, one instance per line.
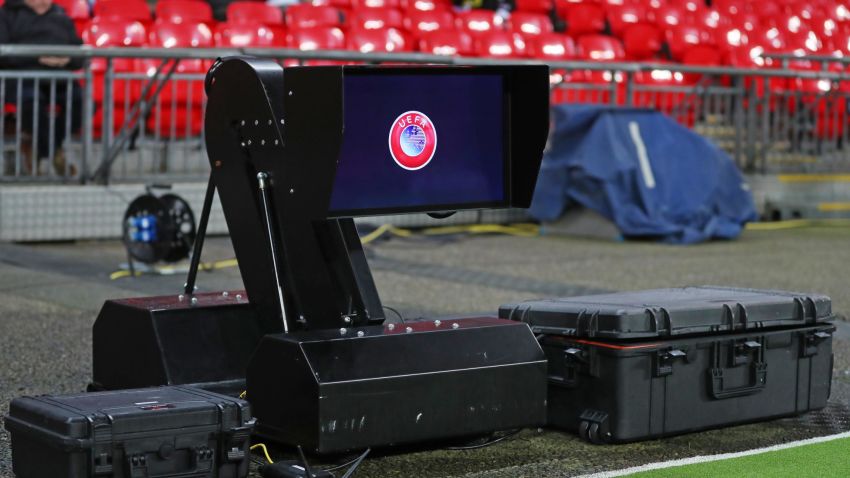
x=732, y=32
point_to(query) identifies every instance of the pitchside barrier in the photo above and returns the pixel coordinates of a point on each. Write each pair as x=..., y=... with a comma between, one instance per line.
x=143, y=108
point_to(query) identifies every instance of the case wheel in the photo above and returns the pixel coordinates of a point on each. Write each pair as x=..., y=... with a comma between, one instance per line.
x=593, y=434
x=582, y=430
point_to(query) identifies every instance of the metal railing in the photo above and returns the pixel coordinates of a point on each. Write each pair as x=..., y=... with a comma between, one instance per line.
x=132, y=125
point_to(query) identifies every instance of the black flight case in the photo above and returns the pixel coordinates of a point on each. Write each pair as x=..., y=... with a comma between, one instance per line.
x=153, y=432
x=636, y=365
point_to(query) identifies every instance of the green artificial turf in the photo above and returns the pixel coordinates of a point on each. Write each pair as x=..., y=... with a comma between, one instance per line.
x=828, y=459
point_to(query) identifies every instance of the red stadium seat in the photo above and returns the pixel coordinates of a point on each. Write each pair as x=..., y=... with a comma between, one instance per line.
x=535, y=6
x=426, y=5
x=670, y=16
x=446, y=42
x=732, y=8
x=479, y=22
x=376, y=19
x=691, y=6
x=124, y=9
x=321, y=38
x=179, y=11
x=360, y=4
x=76, y=9
x=419, y=22
x=181, y=35
x=386, y=40
x=551, y=46
x=642, y=41
x=600, y=48
x=682, y=37
x=501, y=44
x=303, y=15
x=530, y=24
x=103, y=32
x=239, y=35
x=253, y=12
x=114, y=32
x=709, y=18
x=584, y=18
x=619, y=18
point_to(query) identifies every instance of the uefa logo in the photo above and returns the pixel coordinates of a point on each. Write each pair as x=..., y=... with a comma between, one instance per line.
x=413, y=140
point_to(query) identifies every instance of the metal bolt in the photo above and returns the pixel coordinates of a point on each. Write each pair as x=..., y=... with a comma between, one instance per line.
x=225, y=294
x=270, y=122
x=408, y=329
x=181, y=297
x=276, y=142
x=238, y=296
x=242, y=144
x=249, y=142
x=391, y=326
x=343, y=331
x=292, y=191
x=290, y=92
x=455, y=325
x=281, y=121
x=346, y=319
x=360, y=333
x=262, y=142
x=437, y=322
x=256, y=122
x=194, y=301
x=243, y=122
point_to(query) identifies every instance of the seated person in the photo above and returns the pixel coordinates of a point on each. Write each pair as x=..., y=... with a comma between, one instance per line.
x=40, y=22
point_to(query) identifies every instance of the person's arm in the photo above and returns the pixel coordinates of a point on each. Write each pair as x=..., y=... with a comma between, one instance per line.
x=73, y=39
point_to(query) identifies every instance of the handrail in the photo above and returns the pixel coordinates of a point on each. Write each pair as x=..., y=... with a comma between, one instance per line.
x=345, y=55
x=816, y=58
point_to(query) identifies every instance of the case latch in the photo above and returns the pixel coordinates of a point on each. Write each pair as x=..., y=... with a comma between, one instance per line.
x=664, y=360
x=236, y=439
x=811, y=341
x=742, y=352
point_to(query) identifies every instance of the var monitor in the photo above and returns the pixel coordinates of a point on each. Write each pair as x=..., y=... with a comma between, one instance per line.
x=418, y=141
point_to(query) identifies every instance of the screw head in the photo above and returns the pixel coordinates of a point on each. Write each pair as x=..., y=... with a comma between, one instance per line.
x=360, y=333
x=225, y=294
x=194, y=301
x=455, y=325
x=391, y=326
x=408, y=329
x=343, y=331
x=238, y=296
x=256, y=122
x=242, y=122
x=346, y=319
x=181, y=297
x=437, y=322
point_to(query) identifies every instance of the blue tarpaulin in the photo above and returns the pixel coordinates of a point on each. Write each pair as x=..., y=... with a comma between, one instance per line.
x=649, y=175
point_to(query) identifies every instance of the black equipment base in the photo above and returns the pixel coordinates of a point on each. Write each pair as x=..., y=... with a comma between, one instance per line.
x=203, y=339
x=347, y=389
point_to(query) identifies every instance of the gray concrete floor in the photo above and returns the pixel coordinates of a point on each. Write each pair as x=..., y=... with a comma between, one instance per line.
x=50, y=295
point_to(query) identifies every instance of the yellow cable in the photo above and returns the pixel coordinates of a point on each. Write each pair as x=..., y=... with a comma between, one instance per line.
x=265, y=451
x=243, y=394
x=797, y=224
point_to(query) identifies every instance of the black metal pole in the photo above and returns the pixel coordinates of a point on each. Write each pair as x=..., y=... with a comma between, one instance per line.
x=189, y=288
x=263, y=183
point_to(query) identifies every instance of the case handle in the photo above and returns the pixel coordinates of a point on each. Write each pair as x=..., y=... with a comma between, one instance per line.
x=757, y=382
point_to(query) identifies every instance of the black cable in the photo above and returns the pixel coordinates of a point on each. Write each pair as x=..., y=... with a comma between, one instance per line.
x=491, y=441
x=357, y=462
x=400, y=316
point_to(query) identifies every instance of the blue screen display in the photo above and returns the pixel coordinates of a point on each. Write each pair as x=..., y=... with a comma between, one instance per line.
x=420, y=141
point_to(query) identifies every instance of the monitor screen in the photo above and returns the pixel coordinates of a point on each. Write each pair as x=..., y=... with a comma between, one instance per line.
x=417, y=141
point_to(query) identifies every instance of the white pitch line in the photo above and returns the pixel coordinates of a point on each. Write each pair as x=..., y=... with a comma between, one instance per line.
x=710, y=458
